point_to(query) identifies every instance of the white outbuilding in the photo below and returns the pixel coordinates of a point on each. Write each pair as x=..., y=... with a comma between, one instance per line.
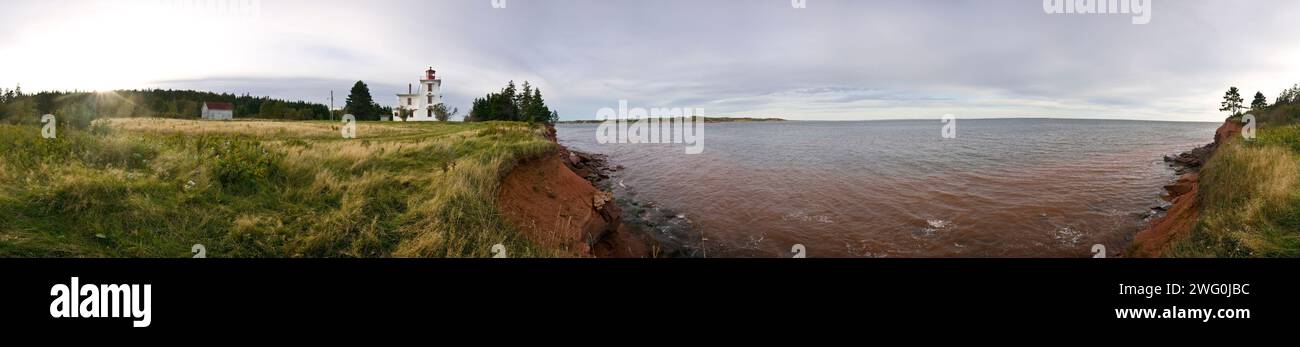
x=218, y=111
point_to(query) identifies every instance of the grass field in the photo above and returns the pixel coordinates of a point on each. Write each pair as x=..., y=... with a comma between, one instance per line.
x=140, y=187
x=1250, y=197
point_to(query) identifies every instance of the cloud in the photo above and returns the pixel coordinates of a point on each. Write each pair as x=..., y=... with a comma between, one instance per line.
x=833, y=60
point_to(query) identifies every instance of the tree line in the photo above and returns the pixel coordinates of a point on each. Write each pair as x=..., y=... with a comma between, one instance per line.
x=1233, y=103
x=1285, y=108
x=512, y=104
x=19, y=107
x=509, y=104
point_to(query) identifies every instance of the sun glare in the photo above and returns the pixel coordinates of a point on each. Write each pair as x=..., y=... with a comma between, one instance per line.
x=118, y=45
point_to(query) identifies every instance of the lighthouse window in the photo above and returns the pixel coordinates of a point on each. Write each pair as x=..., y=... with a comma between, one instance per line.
x=408, y=101
x=431, y=99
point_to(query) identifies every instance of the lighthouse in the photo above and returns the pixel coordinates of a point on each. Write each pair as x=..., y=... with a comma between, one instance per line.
x=418, y=102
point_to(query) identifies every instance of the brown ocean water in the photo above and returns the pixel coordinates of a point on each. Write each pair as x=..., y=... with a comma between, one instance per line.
x=1001, y=188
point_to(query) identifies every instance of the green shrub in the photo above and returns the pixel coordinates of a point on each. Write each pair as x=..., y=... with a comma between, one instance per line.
x=240, y=164
x=124, y=153
x=1284, y=136
x=1279, y=115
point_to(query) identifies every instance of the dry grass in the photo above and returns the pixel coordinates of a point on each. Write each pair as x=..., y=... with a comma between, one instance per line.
x=260, y=128
x=1250, y=198
x=154, y=187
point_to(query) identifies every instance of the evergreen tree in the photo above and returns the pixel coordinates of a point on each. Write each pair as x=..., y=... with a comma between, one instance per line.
x=380, y=110
x=1259, y=103
x=511, y=104
x=1289, y=95
x=507, y=109
x=538, y=112
x=360, y=104
x=478, y=111
x=165, y=103
x=1232, y=102
x=523, y=102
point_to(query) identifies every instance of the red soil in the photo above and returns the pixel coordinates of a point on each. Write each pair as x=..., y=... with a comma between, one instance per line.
x=1176, y=223
x=1182, y=216
x=555, y=208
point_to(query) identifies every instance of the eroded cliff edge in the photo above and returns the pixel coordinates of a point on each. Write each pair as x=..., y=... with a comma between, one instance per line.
x=1185, y=207
x=552, y=204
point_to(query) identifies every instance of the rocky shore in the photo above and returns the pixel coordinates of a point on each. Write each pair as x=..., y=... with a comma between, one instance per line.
x=1180, y=216
x=566, y=201
x=668, y=234
x=1191, y=161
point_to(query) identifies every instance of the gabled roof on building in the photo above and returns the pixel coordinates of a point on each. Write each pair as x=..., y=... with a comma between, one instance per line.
x=222, y=106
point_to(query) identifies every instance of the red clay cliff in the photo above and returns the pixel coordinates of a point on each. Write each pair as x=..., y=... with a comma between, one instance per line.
x=1185, y=209
x=552, y=205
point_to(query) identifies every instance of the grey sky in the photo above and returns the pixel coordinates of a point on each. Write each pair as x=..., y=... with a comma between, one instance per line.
x=834, y=60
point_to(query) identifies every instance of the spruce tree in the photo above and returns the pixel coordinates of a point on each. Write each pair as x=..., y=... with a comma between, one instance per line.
x=1260, y=102
x=359, y=102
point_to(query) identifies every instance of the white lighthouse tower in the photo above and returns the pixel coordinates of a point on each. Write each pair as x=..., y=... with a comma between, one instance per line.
x=418, y=105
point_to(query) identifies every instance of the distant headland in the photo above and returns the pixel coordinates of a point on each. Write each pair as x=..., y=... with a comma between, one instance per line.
x=706, y=120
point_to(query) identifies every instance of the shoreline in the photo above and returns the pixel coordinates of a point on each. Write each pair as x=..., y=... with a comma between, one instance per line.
x=566, y=201
x=637, y=228
x=1182, y=194
x=707, y=120
x=668, y=234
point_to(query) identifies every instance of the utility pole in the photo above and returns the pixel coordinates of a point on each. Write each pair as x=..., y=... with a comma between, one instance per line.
x=331, y=105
